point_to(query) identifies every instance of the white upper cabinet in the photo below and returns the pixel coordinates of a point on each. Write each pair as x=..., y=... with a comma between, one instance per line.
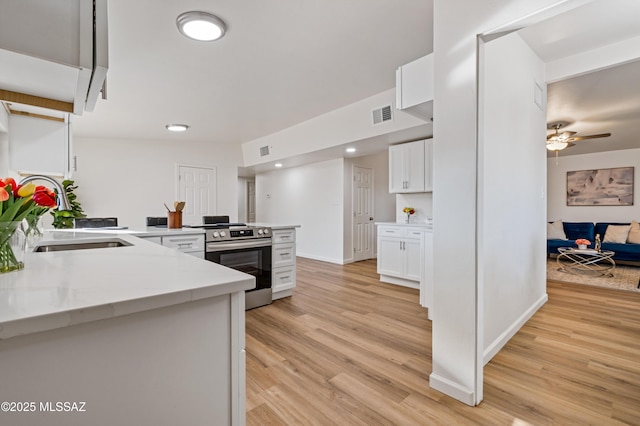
x=414, y=87
x=54, y=54
x=406, y=167
x=40, y=146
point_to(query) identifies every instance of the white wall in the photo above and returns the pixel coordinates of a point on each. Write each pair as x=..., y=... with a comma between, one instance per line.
x=557, y=187
x=343, y=125
x=131, y=179
x=422, y=203
x=311, y=196
x=457, y=352
x=512, y=179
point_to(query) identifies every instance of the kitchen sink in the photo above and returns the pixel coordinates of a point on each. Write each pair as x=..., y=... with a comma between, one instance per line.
x=80, y=245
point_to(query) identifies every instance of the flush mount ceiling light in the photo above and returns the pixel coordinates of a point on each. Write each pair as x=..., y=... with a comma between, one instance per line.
x=201, y=26
x=176, y=127
x=350, y=150
x=278, y=165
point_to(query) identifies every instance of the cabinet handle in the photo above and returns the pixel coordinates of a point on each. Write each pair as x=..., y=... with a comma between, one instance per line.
x=285, y=277
x=183, y=245
x=284, y=254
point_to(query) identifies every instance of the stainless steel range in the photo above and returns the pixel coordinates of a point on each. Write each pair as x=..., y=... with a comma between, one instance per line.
x=244, y=248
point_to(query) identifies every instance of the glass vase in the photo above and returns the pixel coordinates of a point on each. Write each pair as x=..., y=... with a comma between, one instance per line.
x=12, y=247
x=408, y=218
x=33, y=230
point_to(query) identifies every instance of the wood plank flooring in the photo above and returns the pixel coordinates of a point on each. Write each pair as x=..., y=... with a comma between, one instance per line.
x=346, y=349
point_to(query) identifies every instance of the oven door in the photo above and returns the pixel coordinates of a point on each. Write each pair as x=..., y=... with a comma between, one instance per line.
x=252, y=257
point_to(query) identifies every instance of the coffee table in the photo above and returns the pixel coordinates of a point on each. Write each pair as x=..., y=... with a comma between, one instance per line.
x=586, y=261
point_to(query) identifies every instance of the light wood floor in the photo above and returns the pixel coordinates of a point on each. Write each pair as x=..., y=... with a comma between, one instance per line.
x=346, y=349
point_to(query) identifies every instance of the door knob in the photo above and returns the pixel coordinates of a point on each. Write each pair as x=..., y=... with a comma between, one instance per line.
x=370, y=218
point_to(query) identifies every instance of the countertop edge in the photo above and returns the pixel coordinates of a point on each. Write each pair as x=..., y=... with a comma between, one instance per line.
x=46, y=322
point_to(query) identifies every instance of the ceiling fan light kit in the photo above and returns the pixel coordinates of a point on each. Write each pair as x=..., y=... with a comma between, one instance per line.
x=558, y=141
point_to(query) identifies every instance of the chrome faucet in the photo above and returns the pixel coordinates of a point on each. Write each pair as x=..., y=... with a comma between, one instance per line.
x=63, y=201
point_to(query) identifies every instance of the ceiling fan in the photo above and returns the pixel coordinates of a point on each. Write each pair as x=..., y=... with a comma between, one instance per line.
x=558, y=141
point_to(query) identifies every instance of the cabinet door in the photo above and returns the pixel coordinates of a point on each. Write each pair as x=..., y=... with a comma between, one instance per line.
x=39, y=146
x=396, y=169
x=428, y=165
x=406, y=167
x=412, y=261
x=390, y=257
x=414, y=165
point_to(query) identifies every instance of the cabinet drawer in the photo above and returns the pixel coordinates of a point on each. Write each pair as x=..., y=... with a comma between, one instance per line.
x=412, y=233
x=283, y=255
x=284, y=236
x=390, y=232
x=185, y=243
x=284, y=278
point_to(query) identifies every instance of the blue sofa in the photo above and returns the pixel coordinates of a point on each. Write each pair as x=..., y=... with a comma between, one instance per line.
x=574, y=230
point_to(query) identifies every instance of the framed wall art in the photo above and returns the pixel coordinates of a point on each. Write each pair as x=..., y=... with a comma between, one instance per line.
x=600, y=187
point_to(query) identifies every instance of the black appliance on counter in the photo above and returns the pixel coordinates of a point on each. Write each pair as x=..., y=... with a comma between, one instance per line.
x=157, y=221
x=96, y=222
x=243, y=248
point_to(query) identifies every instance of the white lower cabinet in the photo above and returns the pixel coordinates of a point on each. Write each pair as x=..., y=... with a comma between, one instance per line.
x=400, y=255
x=189, y=244
x=283, y=262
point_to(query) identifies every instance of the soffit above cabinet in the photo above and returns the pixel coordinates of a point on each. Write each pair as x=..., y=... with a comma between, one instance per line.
x=47, y=53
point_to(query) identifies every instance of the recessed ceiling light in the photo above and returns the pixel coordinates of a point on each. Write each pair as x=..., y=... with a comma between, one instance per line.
x=201, y=26
x=350, y=150
x=278, y=165
x=177, y=127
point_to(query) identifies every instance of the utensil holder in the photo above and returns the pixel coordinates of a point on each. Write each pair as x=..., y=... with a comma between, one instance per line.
x=174, y=220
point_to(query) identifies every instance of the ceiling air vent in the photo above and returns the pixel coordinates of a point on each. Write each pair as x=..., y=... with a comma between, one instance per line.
x=381, y=115
x=264, y=150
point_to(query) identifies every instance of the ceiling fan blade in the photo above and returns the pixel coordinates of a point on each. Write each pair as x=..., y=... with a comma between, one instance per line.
x=580, y=138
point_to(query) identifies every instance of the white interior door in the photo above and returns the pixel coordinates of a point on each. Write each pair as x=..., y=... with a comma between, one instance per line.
x=197, y=187
x=363, y=227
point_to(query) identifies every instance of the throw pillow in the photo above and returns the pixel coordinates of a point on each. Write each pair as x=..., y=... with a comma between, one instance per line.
x=634, y=233
x=616, y=234
x=555, y=231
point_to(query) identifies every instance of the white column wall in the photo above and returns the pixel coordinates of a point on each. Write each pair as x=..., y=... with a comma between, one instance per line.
x=131, y=179
x=457, y=353
x=512, y=181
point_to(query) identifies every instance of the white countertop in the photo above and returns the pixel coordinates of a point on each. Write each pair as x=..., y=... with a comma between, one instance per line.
x=63, y=288
x=273, y=225
x=411, y=225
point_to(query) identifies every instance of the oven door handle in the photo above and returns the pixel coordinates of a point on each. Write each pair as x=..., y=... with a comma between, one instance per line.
x=213, y=247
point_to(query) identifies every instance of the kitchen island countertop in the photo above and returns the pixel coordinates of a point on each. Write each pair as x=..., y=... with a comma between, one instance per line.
x=63, y=288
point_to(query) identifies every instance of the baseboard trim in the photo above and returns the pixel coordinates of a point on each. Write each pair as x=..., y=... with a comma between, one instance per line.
x=453, y=389
x=399, y=281
x=502, y=340
x=320, y=258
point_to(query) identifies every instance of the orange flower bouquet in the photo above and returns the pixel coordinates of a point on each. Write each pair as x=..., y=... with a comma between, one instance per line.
x=17, y=202
x=582, y=243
